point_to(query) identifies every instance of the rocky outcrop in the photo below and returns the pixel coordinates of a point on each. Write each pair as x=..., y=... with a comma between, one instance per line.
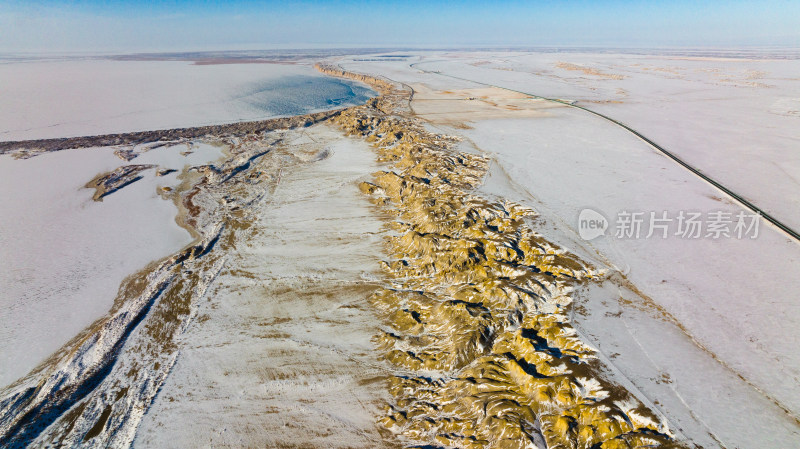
x=107, y=183
x=165, y=171
x=477, y=310
x=378, y=84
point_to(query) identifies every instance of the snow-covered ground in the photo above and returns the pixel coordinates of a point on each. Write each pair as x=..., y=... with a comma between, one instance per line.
x=281, y=352
x=68, y=98
x=725, y=292
x=702, y=327
x=737, y=120
x=65, y=255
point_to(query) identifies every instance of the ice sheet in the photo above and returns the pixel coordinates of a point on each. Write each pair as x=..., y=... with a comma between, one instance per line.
x=48, y=99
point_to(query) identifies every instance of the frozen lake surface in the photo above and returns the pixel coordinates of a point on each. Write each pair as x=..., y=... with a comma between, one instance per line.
x=70, y=98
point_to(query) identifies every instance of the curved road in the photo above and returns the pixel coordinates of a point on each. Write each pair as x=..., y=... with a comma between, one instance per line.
x=744, y=202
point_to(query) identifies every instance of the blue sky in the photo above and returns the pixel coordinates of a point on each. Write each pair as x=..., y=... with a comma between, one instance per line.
x=178, y=25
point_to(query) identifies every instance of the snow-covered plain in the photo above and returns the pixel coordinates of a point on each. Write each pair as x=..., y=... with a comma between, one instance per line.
x=738, y=120
x=69, y=98
x=64, y=255
x=702, y=327
x=703, y=330
x=281, y=352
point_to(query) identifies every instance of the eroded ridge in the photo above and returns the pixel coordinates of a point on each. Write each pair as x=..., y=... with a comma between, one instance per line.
x=107, y=183
x=476, y=313
x=95, y=390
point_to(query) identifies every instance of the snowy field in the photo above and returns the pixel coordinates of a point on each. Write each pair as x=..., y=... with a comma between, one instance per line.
x=702, y=326
x=64, y=255
x=703, y=329
x=738, y=120
x=281, y=354
x=282, y=337
x=69, y=98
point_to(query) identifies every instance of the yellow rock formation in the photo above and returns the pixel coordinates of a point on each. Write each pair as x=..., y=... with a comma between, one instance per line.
x=476, y=314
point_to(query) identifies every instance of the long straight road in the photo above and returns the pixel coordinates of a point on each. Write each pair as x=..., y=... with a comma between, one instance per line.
x=739, y=198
